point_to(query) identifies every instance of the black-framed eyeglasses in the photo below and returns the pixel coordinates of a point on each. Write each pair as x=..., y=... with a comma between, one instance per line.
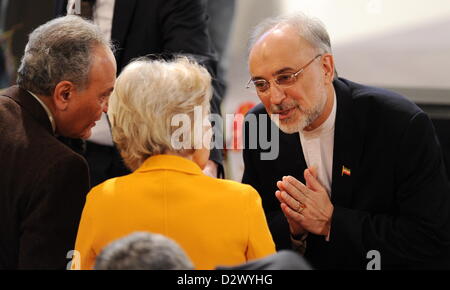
x=283, y=80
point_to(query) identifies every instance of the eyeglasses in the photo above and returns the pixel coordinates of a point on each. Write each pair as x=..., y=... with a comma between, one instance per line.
x=284, y=80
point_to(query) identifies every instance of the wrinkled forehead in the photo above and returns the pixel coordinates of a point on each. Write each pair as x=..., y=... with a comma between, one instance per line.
x=278, y=48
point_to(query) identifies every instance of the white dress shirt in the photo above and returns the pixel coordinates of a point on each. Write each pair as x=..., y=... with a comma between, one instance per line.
x=318, y=147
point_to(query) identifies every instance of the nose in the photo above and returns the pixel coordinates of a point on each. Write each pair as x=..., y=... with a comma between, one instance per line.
x=277, y=94
x=105, y=107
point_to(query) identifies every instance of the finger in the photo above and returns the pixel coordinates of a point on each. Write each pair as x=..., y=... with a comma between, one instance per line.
x=312, y=181
x=295, y=188
x=285, y=198
x=313, y=171
x=290, y=201
x=280, y=186
x=308, y=184
x=278, y=196
x=294, y=204
x=291, y=214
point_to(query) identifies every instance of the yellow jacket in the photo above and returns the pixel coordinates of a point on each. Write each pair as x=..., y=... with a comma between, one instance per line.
x=217, y=222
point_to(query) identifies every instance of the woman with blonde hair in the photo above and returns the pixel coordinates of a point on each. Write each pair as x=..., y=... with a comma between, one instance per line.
x=159, y=116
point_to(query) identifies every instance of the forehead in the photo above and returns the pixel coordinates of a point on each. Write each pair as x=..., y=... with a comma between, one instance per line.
x=278, y=49
x=103, y=69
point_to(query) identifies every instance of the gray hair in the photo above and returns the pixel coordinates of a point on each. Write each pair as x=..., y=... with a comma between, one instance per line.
x=59, y=50
x=143, y=251
x=309, y=28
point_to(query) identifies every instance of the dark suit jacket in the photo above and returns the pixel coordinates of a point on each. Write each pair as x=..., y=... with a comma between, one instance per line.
x=143, y=27
x=282, y=260
x=397, y=199
x=42, y=187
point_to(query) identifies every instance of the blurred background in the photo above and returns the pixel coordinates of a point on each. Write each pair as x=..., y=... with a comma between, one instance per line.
x=402, y=45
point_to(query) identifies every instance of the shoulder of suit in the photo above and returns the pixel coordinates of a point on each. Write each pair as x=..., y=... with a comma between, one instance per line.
x=379, y=99
x=7, y=104
x=234, y=187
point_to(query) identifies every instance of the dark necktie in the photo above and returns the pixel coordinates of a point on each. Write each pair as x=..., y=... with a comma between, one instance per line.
x=87, y=9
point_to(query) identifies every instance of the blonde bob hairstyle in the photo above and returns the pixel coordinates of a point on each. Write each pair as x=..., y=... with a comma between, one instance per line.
x=147, y=95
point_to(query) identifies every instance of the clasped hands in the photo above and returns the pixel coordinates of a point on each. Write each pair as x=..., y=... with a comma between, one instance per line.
x=307, y=207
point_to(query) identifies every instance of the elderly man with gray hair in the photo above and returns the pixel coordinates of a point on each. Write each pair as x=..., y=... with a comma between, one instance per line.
x=64, y=81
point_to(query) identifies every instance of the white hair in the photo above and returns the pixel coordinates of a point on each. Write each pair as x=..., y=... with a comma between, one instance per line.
x=147, y=95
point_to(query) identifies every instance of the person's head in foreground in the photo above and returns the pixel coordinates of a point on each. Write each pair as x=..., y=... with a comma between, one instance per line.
x=153, y=107
x=292, y=70
x=143, y=251
x=70, y=66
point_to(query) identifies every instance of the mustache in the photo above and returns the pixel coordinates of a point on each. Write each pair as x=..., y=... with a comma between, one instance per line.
x=277, y=109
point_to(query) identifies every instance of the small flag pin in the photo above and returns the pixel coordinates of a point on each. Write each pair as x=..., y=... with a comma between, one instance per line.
x=346, y=171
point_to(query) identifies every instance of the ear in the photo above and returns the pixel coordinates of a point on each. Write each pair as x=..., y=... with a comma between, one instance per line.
x=328, y=67
x=63, y=94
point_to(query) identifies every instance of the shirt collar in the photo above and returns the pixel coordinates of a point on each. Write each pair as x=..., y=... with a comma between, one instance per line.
x=49, y=113
x=170, y=162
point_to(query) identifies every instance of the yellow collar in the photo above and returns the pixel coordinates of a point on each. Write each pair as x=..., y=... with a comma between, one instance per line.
x=170, y=162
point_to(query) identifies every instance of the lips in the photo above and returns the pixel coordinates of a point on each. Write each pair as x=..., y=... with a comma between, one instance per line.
x=285, y=114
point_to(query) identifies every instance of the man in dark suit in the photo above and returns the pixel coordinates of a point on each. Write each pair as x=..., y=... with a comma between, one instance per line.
x=140, y=28
x=64, y=81
x=359, y=180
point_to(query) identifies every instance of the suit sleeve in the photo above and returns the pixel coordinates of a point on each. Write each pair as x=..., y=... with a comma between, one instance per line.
x=419, y=232
x=260, y=242
x=185, y=31
x=49, y=228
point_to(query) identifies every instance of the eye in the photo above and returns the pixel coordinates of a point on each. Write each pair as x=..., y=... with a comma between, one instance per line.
x=284, y=79
x=103, y=98
x=261, y=85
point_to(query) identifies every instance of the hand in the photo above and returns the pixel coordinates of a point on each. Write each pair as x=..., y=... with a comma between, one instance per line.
x=294, y=227
x=308, y=207
x=211, y=168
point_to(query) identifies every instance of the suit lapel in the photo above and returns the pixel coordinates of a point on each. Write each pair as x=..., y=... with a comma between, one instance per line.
x=291, y=156
x=348, y=145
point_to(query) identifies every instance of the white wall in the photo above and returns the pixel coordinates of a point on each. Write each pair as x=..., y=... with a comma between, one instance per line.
x=347, y=20
x=389, y=43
